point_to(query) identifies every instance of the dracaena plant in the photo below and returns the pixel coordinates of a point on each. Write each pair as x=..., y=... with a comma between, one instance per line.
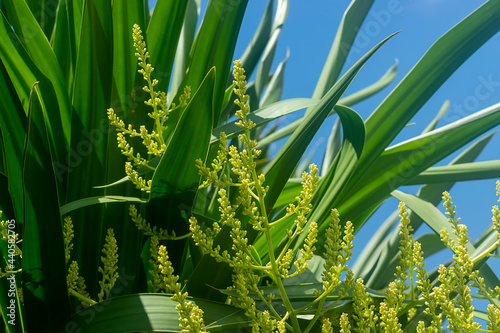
x=64, y=63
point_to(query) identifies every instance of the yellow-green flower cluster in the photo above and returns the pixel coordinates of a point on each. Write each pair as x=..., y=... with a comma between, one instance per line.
x=68, y=237
x=4, y=233
x=153, y=141
x=249, y=209
x=211, y=176
x=425, y=288
x=75, y=282
x=156, y=280
x=338, y=252
x=76, y=285
x=145, y=227
x=110, y=266
x=363, y=309
x=190, y=315
x=455, y=279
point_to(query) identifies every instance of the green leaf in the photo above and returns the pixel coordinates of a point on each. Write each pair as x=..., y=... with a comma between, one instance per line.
x=12, y=126
x=327, y=194
x=437, y=221
x=38, y=48
x=176, y=178
x=45, y=14
x=350, y=100
x=372, y=89
x=174, y=172
x=151, y=312
x=214, y=47
x=458, y=172
x=66, y=38
x=432, y=125
x=400, y=163
x=332, y=148
x=303, y=292
x=431, y=244
x=263, y=116
x=69, y=207
x=379, y=251
x=44, y=272
x=127, y=82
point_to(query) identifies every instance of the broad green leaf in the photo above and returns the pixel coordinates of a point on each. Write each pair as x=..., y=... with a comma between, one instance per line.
x=69, y=207
x=18, y=66
x=389, y=247
x=66, y=38
x=151, y=312
x=45, y=13
x=176, y=178
x=458, y=172
x=40, y=51
x=44, y=272
x=12, y=126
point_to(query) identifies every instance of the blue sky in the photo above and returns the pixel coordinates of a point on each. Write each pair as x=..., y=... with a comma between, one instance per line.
x=309, y=32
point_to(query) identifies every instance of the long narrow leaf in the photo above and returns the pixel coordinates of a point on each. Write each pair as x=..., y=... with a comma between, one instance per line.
x=406, y=160
x=459, y=172
x=44, y=272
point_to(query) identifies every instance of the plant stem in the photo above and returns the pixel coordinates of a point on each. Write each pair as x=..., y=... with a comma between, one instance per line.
x=82, y=298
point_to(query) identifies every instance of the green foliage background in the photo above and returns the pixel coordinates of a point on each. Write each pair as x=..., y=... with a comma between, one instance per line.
x=64, y=63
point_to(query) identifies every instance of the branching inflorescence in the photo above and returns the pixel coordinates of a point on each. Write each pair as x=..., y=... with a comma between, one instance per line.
x=249, y=209
x=241, y=194
x=153, y=141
